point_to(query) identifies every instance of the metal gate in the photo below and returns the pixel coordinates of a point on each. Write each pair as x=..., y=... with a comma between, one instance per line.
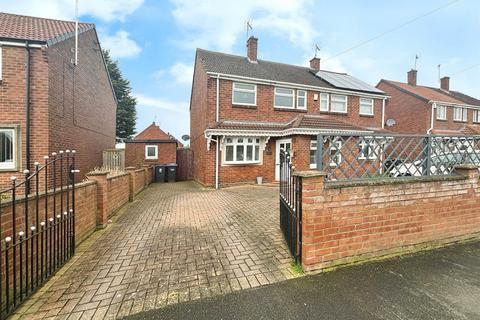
x=37, y=228
x=291, y=206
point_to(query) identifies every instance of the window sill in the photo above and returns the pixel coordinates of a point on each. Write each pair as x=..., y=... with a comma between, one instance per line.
x=241, y=164
x=244, y=106
x=460, y=121
x=367, y=115
x=443, y=120
x=151, y=158
x=9, y=170
x=289, y=109
x=339, y=113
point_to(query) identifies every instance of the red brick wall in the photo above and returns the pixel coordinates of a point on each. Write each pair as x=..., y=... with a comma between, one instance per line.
x=344, y=224
x=12, y=103
x=82, y=107
x=118, y=188
x=135, y=154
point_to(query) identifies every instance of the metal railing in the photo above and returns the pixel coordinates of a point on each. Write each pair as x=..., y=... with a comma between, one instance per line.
x=37, y=228
x=290, y=205
x=113, y=160
x=347, y=157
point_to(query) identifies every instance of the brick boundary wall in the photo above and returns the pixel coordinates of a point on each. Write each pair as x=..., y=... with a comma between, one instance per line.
x=348, y=222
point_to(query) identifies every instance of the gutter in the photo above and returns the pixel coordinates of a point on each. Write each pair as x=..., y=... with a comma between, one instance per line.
x=434, y=106
x=383, y=113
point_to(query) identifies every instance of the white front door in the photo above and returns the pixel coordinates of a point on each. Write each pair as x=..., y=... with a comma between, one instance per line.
x=285, y=144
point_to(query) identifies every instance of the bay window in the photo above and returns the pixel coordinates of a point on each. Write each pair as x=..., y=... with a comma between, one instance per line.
x=476, y=116
x=324, y=97
x=241, y=150
x=8, y=146
x=338, y=103
x=460, y=114
x=366, y=106
x=334, y=151
x=441, y=112
x=244, y=94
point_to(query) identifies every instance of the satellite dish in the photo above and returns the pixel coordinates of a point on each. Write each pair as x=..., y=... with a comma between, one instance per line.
x=391, y=122
x=185, y=137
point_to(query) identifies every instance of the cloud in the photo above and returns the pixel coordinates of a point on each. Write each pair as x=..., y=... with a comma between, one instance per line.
x=181, y=74
x=120, y=45
x=161, y=103
x=217, y=25
x=107, y=10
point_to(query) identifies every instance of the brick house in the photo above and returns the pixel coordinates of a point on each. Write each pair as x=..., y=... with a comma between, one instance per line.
x=422, y=109
x=151, y=146
x=243, y=110
x=47, y=103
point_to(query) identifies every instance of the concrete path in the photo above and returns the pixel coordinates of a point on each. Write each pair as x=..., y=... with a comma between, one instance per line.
x=442, y=284
x=177, y=242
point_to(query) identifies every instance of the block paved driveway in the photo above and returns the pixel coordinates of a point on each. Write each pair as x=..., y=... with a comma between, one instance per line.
x=175, y=243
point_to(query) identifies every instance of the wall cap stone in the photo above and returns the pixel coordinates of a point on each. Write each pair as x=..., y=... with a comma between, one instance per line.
x=391, y=181
x=310, y=174
x=98, y=173
x=467, y=166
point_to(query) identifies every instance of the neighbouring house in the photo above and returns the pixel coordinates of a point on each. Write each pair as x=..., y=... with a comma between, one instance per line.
x=243, y=110
x=150, y=147
x=47, y=102
x=418, y=109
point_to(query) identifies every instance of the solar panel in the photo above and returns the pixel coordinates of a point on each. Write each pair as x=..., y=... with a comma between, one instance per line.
x=345, y=81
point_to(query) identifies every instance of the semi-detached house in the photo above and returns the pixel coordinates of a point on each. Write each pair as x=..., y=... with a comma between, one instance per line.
x=243, y=110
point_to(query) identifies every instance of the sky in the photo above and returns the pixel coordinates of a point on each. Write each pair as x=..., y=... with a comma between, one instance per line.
x=154, y=41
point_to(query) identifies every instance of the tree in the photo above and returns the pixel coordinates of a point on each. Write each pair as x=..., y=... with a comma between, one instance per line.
x=126, y=109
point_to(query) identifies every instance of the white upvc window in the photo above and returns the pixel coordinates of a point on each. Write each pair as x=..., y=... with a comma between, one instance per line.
x=338, y=103
x=241, y=150
x=151, y=152
x=313, y=154
x=301, y=99
x=460, y=114
x=366, y=106
x=324, y=98
x=441, y=112
x=244, y=94
x=476, y=116
x=284, y=98
x=335, y=154
x=369, y=149
x=8, y=149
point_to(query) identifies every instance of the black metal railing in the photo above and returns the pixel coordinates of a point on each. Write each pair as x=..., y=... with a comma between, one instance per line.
x=368, y=156
x=37, y=228
x=290, y=205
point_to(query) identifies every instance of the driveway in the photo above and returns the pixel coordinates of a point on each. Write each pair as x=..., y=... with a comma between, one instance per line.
x=435, y=285
x=175, y=243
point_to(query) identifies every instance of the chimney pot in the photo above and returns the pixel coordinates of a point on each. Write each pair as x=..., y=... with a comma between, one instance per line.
x=445, y=83
x=252, y=44
x=315, y=64
x=412, y=77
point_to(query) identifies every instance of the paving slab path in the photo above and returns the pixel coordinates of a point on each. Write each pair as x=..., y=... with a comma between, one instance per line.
x=176, y=242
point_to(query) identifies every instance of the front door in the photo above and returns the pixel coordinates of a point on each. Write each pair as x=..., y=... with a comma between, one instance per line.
x=285, y=144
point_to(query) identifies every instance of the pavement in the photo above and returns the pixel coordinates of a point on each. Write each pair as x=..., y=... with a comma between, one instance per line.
x=439, y=284
x=176, y=242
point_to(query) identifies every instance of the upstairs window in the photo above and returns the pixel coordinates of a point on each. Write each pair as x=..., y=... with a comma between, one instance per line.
x=151, y=152
x=460, y=114
x=242, y=150
x=8, y=146
x=441, y=112
x=301, y=99
x=284, y=98
x=476, y=116
x=244, y=94
x=324, y=97
x=366, y=106
x=338, y=103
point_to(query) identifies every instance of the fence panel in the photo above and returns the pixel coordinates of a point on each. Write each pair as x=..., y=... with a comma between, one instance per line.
x=114, y=160
x=347, y=157
x=185, y=164
x=37, y=228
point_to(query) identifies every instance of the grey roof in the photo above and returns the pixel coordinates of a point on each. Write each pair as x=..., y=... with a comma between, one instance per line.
x=218, y=62
x=345, y=81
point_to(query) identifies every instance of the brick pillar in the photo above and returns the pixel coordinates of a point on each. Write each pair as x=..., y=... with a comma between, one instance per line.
x=131, y=182
x=467, y=170
x=145, y=172
x=102, y=195
x=313, y=183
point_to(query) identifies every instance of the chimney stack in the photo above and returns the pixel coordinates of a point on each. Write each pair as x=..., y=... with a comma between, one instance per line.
x=315, y=64
x=412, y=77
x=252, y=44
x=445, y=83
